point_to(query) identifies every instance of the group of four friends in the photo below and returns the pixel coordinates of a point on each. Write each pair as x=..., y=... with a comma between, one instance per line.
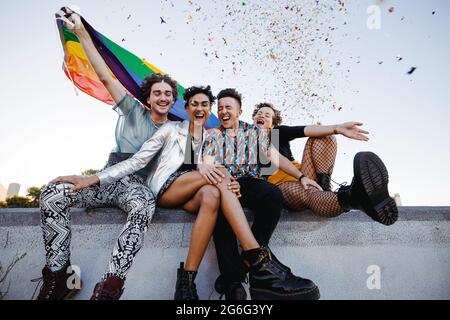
x=211, y=173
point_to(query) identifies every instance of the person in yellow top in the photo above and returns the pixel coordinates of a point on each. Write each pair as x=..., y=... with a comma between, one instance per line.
x=369, y=188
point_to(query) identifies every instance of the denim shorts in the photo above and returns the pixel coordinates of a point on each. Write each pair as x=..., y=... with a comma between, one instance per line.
x=170, y=180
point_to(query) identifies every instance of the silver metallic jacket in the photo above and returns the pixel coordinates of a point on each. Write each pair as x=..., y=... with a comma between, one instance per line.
x=167, y=144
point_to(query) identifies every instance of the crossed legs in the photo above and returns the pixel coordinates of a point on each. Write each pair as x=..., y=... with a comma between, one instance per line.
x=318, y=158
x=193, y=193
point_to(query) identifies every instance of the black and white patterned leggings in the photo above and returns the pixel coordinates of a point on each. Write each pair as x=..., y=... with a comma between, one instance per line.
x=129, y=194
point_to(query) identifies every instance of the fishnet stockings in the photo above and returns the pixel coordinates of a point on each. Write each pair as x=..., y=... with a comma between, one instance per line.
x=323, y=203
x=318, y=157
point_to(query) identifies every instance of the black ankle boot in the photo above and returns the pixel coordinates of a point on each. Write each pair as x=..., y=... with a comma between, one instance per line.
x=369, y=190
x=270, y=279
x=324, y=180
x=54, y=284
x=185, y=288
x=233, y=290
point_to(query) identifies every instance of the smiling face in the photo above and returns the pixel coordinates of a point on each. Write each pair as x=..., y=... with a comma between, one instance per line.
x=229, y=110
x=161, y=98
x=199, y=109
x=264, y=118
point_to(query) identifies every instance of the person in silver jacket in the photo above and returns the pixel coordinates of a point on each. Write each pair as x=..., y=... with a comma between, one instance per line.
x=176, y=150
x=137, y=123
x=199, y=186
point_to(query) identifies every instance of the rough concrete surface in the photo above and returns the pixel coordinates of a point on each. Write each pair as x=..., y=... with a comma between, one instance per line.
x=412, y=256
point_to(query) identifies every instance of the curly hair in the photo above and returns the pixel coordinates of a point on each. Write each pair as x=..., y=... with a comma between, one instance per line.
x=276, y=119
x=192, y=91
x=149, y=81
x=232, y=93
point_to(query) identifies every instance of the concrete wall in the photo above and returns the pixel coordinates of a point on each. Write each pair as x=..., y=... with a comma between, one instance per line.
x=413, y=255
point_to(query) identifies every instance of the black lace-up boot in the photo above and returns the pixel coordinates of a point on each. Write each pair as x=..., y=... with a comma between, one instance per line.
x=270, y=279
x=54, y=284
x=324, y=180
x=369, y=190
x=185, y=288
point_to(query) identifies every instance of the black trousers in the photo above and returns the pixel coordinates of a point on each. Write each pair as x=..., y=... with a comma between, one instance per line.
x=266, y=202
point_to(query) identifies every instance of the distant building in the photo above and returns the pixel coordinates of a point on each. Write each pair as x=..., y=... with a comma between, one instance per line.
x=2, y=192
x=13, y=190
x=397, y=200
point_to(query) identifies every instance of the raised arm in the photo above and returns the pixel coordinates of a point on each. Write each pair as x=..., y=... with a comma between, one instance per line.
x=348, y=129
x=114, y=87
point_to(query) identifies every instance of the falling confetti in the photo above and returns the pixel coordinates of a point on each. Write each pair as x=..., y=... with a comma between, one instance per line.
x=391, y=9
x=162, y=20
x=286, y=51
x=129, y=16
x=411, y=70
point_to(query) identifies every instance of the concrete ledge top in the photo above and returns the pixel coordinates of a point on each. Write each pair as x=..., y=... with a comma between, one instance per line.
x=31, y=217
x=412, y=256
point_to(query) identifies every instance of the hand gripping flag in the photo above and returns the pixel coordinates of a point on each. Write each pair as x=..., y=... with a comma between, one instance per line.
x=124, y=65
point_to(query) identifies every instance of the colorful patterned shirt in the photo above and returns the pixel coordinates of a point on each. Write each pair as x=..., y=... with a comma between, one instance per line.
x=242, y=154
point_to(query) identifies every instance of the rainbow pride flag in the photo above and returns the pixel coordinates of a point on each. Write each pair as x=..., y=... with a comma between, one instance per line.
x=124, y=65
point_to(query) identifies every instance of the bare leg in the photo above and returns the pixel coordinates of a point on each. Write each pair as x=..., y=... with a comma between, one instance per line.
x=206, y=203
x=185, y=187
x=182, y=189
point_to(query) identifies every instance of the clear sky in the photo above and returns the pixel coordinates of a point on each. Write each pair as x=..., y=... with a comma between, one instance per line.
x=47, y=130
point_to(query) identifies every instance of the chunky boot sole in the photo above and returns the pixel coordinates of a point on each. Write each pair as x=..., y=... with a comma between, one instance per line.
x=374, y=180
x=264, y=294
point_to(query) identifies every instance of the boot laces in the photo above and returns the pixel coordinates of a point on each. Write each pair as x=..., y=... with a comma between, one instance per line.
x=343, y=184
x=187, y=285
x=39, y=281
x=48, y=281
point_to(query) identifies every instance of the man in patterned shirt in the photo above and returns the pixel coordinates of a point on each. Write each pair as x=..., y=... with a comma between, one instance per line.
x=242, y=148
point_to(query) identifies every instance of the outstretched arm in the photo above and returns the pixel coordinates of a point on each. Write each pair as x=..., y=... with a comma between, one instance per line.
x=114, y=87
x=350, y=130
x=111, y=174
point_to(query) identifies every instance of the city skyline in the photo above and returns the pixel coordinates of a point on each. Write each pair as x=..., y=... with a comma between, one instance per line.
x=12, y=190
